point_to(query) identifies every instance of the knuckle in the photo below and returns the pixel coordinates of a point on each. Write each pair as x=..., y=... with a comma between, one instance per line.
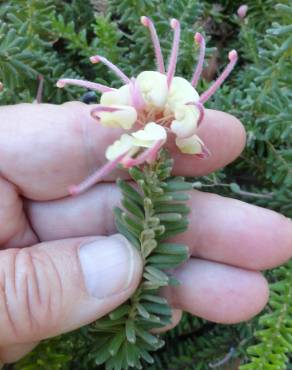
x=30, y=294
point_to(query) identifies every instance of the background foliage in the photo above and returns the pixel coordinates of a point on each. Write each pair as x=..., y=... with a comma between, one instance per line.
x=55, y=38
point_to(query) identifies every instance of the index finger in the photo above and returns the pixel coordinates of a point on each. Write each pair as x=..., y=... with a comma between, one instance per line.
x=46, y=148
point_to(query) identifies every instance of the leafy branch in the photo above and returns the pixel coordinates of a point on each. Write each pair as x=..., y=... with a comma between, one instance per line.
x=153, y=211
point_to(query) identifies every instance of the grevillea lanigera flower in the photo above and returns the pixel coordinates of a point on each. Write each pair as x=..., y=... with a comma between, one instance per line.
x=158, y=103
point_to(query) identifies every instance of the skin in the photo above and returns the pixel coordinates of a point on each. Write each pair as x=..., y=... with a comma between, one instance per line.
x=44, y=149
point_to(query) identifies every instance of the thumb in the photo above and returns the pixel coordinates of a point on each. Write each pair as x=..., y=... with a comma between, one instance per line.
x=55, y=287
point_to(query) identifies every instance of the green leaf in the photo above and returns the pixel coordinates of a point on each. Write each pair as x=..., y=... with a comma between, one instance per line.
x=132, y=225
x=133, y=208
x=130, y=192
x=172, y=248
x=154, y=298
x=183, y=197
x=163, y=199
x=156, y=273
x=169, y=217
x=154, y=280
x=120, y=312
x=235, y=188
x=146, y=356
x=124, y=230
x=130, y=331
x=157, y=308
x=136, y=174
x=147, y=247
x=163, y=258
x=172, y=232
x=142, y=311
x=183, y=222
x=102, y=354
x=116, y=343
x=171, y=208
x=176, y=185
x=132, y=354
x=147, y=337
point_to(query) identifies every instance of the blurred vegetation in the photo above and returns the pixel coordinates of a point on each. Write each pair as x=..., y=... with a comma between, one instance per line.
x=55, y=38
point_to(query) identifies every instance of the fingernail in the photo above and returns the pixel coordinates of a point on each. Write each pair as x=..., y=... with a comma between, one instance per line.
x=107, y=264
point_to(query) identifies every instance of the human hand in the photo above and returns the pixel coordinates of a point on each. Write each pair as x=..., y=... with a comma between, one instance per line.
x=53, y=281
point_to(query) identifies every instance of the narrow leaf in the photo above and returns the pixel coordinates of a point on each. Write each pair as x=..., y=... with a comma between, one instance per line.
x=149, y=338
x=120, y=312
x=130, y=331
x=116, y=343
x=169, y=217
x=129, y=191
x=133, y=208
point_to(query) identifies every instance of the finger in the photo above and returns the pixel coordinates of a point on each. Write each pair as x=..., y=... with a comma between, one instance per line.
x=15, y=352
x=217, y=292
x=234, y=232
x=45, y=148
x=221, y=229
x=55, y=287
x=15, y=230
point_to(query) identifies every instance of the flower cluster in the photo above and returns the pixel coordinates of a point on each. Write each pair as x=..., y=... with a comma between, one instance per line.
x=157, y=102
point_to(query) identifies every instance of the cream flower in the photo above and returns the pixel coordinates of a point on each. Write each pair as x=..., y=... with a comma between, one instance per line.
x=186, y=119
x=153, y=86
x=120, y=96
x=146, y=138
x=121, y=146
x=190, y=145
x=158, y=101
x=124, y=116
x=151, y=134
x=181, y=92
